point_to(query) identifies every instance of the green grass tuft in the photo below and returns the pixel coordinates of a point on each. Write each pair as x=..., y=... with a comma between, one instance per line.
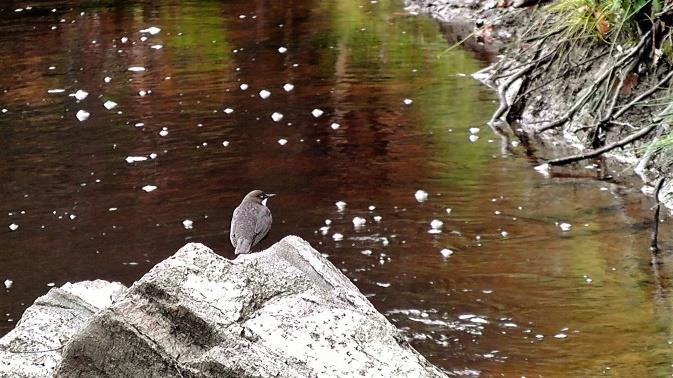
x=663, y=147
x=607, y=20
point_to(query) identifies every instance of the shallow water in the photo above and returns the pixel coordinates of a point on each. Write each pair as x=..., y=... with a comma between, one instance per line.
x=515, y=285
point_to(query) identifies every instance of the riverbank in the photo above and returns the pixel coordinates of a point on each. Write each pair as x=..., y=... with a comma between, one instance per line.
x=589, y=105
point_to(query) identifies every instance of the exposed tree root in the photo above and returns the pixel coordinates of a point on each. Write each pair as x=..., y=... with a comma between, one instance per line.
x=608, y=116
x=599, y=151
x=607, y=104
x=504, y=87
x=608, y=83
x=611, y=119
x=560, y=76
x=635, y=50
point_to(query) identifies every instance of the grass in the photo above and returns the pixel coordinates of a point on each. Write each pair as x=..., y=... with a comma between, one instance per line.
x=606, y=20
x=663, y=147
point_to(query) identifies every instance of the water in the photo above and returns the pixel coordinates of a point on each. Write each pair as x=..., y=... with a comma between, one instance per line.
x=515, y=279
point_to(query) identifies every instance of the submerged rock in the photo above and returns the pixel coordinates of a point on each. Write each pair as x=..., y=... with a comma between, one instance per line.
x=286, y=311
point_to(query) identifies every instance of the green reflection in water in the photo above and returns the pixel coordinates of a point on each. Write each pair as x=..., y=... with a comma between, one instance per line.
x=371, y=47
x=198, y=36
x=397, y=53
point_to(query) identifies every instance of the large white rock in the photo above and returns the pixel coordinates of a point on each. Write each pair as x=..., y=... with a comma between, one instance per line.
x=33, y=348
x=283, y=312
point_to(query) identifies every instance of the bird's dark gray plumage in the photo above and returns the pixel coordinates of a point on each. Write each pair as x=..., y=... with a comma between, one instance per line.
x=251, y=221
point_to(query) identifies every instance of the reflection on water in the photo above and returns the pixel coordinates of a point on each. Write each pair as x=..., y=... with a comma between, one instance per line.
x=518, y=295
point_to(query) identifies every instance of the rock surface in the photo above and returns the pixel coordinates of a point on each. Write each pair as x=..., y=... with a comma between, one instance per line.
x=33, y=348
x=283, y=312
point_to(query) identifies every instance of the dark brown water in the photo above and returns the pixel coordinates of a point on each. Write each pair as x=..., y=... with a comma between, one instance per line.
x=518, y=296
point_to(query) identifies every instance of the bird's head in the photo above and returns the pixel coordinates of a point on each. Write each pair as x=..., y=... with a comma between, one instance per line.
x=258, y=196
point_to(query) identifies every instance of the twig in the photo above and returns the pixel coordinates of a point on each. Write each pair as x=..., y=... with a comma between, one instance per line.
x=654, y=244
x=594, y=153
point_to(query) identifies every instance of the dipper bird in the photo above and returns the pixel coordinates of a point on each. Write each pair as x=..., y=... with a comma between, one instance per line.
x=251, y=221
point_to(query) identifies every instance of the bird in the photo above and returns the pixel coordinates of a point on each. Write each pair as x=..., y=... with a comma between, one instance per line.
x=250, y=222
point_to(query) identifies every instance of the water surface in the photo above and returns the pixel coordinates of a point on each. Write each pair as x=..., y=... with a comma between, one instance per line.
x=518, y=296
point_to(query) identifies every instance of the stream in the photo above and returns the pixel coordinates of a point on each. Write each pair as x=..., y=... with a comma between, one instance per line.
x=191, y=104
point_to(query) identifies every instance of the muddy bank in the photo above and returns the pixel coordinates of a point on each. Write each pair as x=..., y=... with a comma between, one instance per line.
x=576, y=107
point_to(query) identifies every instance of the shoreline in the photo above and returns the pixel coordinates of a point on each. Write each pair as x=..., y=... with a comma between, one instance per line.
x=497, y=27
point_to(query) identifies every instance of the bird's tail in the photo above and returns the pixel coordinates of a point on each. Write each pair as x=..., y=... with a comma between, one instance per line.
x=243, y=246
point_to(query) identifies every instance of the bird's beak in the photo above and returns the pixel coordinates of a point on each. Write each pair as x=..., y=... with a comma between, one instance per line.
x=271, y=195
